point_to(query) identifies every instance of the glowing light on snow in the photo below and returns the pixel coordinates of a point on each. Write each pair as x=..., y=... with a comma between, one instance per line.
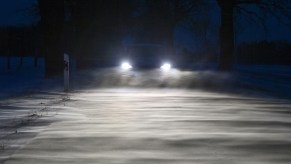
x=126, y=66
x=166, y=67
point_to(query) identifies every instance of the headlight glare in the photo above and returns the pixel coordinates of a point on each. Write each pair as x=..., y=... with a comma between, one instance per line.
x=166, y=66
x=126, y=66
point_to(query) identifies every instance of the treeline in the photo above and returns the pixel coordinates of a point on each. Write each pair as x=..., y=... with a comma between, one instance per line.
x=101, y=28
x=96, y=28
x=87, y=30
x=265, y=52
x=95, y=31
x=20, y=41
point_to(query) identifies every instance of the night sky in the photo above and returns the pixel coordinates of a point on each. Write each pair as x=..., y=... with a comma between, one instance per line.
x=19, y=13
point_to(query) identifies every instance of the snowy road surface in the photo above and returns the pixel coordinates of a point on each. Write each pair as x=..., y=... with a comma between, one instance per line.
x=156, y=126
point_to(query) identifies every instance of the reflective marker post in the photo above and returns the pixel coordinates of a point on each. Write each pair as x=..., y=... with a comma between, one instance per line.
x=66, y=72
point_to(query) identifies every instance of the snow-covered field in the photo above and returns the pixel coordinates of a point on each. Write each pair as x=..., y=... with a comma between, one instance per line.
x=145, y=117
x=150, y=126
x=270, y=79
x=23, y=79
x=27, y=78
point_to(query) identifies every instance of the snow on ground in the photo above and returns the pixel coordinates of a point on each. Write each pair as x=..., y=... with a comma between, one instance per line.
x=21, y=101
x=156, y=78
x=23, y=79
x=165, y=126
x=22, y=118
x=268, y=78
x=144, y=116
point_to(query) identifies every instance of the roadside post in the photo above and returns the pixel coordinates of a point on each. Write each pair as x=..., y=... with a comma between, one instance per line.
x=66, y=72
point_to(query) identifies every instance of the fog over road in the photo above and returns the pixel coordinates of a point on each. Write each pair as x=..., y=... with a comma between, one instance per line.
x=160, y=126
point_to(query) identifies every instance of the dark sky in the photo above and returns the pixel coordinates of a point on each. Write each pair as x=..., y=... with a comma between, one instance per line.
x=253, y=31
x=17, y=12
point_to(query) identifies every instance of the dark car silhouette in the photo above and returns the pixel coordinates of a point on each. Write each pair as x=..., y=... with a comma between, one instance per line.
x=145, y=56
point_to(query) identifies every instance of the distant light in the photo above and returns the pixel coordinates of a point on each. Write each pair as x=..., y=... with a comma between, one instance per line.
x=126, y=66
x=166, y=67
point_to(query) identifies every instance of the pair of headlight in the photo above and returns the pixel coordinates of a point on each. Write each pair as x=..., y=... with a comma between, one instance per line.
x=128, y=66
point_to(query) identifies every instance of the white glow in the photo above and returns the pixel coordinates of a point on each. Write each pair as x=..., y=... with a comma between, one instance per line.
x=126, y=66
x=166, y=67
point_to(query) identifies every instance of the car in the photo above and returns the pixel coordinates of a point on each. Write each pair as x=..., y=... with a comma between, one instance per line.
x=145, y=56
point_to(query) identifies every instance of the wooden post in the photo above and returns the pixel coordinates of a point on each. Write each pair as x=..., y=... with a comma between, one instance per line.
x=66, y=72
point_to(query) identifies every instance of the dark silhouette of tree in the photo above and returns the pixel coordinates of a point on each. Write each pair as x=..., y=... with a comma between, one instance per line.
x=280, y=9
x=265, y=52
x=98, y=28
x=52, y=21
x=160, y=18
x=19, y=41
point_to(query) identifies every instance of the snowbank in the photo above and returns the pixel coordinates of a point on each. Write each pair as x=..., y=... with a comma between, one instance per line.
x=268, y=78
x=22, y=79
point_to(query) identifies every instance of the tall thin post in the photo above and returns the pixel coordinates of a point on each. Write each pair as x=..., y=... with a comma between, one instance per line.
x=66, y=72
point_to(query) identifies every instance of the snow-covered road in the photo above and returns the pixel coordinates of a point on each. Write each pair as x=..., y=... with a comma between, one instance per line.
x=156, y=126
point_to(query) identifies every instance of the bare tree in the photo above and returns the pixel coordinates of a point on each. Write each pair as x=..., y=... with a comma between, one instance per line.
x=278, y=8
x=98, y=28
x=160, y=18
x=52, y=21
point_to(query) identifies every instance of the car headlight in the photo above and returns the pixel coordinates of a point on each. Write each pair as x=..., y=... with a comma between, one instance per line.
x=125, y=66
x=166, y=66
